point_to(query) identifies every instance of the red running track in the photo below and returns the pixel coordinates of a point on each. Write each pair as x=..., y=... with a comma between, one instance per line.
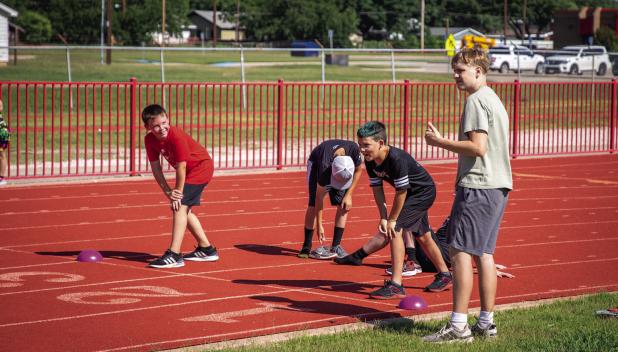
x=558, y=237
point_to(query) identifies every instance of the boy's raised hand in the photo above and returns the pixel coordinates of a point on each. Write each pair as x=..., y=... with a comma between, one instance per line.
x=432, y=135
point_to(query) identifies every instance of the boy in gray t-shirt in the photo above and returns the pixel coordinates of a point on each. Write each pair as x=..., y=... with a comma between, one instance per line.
x=483, y=183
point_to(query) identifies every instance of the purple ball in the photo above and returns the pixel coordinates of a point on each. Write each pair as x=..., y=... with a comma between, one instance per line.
x=89, y=256
x=413, y=303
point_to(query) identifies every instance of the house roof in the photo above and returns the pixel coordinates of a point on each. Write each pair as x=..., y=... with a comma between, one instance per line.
x=457, y=32
x=208, y=16
x=7, y=11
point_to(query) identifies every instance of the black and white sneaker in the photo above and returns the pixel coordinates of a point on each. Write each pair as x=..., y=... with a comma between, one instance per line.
x=169, y=259
x=203, y=254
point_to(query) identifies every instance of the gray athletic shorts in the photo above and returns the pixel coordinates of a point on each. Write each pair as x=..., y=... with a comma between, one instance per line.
x=475, y=219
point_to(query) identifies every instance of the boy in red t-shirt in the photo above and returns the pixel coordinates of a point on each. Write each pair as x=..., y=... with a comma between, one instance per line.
x=194, y=169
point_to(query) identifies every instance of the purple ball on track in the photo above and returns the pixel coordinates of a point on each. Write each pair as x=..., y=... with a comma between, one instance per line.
x=89, y=256
x=413, y=303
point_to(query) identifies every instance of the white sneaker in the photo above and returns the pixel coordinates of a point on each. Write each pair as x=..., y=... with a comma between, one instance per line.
x=450, y=334
x=408, y=270
x=322, y=252
x=2, y=181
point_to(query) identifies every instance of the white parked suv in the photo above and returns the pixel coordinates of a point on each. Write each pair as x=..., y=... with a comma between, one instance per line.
x=576, y=59
x=517, y=58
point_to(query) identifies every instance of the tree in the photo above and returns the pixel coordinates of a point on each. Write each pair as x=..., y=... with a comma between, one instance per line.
x=285, y=20
x=37, y=27
x=607, y=37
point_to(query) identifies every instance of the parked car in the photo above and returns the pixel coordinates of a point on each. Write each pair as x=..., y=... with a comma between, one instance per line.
x=517, y=58
x=577, y=59
x=615, y=66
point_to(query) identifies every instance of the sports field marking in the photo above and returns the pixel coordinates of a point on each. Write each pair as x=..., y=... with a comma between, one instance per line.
x=361, y=196
x=171, y=274
x=367, y=315
x=164, y=217
x=285, y=226
x=589, y=180
x=217, y=299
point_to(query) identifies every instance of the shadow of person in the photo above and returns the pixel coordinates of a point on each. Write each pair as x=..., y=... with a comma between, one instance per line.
x=365, y=314
x=266, y=249
x=122, y=255
x=326, y=285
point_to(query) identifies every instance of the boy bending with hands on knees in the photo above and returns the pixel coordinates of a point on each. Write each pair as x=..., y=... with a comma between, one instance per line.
x=482, y=186
x=415, y=193
x=194, y=169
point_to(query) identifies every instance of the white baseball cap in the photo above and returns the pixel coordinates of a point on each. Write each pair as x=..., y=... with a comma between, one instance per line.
x=342, y=172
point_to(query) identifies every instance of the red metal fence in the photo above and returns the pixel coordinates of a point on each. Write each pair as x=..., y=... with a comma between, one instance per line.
x=76, y=129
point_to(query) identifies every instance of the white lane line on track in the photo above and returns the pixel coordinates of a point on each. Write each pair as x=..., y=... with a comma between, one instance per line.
x=276, y=227
x=245, y=201
x=253, y=268
x=210, y=215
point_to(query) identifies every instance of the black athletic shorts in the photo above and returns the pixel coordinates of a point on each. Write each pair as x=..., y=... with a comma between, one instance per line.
x=191, y=194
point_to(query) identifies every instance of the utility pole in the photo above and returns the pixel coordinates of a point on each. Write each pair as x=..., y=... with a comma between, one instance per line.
x=162, y=22
x=505, y=19
x=214, y=23
x=102, y=28
x=237, y=20
x=422, y=24
x=108, y=23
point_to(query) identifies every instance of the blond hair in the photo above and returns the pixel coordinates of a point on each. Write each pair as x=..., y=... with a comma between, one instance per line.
x=472, y=56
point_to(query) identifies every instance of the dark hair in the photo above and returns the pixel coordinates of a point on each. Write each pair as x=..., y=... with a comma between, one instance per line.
x=373, y=129
x=152, y=111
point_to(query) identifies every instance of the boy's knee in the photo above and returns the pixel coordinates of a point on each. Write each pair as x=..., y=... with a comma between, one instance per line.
x=424, y=238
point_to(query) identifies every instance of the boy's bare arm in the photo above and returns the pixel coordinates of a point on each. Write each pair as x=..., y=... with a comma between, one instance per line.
x=398, y=201
x=378, y=196
x=476, y=145
x=347, y=199
x=157, y=172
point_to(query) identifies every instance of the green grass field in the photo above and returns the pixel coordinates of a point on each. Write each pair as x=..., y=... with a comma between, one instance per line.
x=192, y=66
x=566, y=325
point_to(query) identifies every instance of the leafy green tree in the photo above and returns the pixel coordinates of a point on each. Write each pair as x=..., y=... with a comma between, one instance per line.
x=37, y=27
x=607, y=37
x=285, y=20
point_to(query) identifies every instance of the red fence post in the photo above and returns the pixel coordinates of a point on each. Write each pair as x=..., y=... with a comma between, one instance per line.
x=279, y=124
x=612, y=120
x=133, y=127
x=406, y=113
x=516, y=110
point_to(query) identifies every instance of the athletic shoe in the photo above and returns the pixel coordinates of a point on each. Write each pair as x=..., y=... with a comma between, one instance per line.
x=450, y=334
x=339, y=251
x=304, y=253
x=388, y=291
x=489, y=332
x=611, y=312
x=169, y=259
x=2, y=181
x=408, y=270
x=203, y=254
x=349, y=260
x=322, y=252
x=440, y=283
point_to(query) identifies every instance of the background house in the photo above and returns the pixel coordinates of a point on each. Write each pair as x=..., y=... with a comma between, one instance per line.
x=225, y=31
x=457, y=32
x=573, y=27
x=5, y=13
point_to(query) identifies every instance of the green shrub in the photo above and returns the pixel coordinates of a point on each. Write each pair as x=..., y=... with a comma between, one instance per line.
x=605, y=36
x=37, y=27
